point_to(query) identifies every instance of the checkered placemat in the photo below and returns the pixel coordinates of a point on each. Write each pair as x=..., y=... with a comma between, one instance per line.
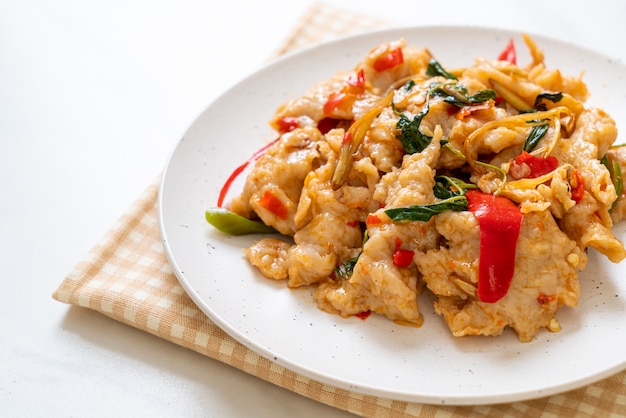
x=126, y=276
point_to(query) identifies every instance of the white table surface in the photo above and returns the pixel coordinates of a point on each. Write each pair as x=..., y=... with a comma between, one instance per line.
x=93, y=97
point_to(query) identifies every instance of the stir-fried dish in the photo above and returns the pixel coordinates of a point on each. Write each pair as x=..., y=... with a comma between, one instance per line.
x=485, y=185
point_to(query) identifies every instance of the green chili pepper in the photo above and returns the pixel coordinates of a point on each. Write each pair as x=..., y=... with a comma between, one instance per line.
x=233, y=224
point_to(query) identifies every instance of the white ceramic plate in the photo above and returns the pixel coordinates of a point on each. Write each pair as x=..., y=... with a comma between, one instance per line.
x=376, y=356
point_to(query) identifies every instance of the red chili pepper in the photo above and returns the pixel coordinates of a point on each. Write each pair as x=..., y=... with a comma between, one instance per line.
x=402, y=257
x=353, y=224
x=327, y=124
x=542, y=299
x=239, y=170
x=509, y=54
x=287, y=124
x=536, y=166
x=344, y=99
x=356, y=82
x=451, y=110
x=390, y=60
x=577, y=183
x=500, y=220
x=363, y=315
x=372, y=220
x=339, y=100
x=468, y=110
x=273, y=204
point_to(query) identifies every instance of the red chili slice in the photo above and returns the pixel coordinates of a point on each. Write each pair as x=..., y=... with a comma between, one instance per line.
x=347, y=137
x=389, y=61
x=465, y=111
x=273, y=204
x=327, y=124
x=356, y=82
x=340, y=100
x=402, y=257
x=578, y=186
x=509, y=54
x=542, y=299
x=363, y=315
x=239, y=170
x=344, y=99
x=536, y=166
x=287, y=124
x=500, y=221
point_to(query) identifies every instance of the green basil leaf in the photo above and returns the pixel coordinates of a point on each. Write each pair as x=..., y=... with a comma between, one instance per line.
x=535, y=135
x=616, y=177
x=425, y=212
x=448, y=187
x=345, y=270
x=615, y=171
x=482, y=96
x=413, y=140
x=456, y=94
x=409, y=85
x=441, y=192
x=618, y=181
x=436, y=69
x=553, y=97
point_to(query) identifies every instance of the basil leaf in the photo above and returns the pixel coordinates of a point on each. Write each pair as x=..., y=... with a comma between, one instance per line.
x=456, y=94
x=615, y=171
x=482, y=96
x=413, y=140
x=618, y=181
x=553, y=97
x=409, y=85
x=425, y=212
x=458, y=154
x=448, y=187
x=345, y=270
x=535, y=135
x=442, y=193
x=435, y=69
